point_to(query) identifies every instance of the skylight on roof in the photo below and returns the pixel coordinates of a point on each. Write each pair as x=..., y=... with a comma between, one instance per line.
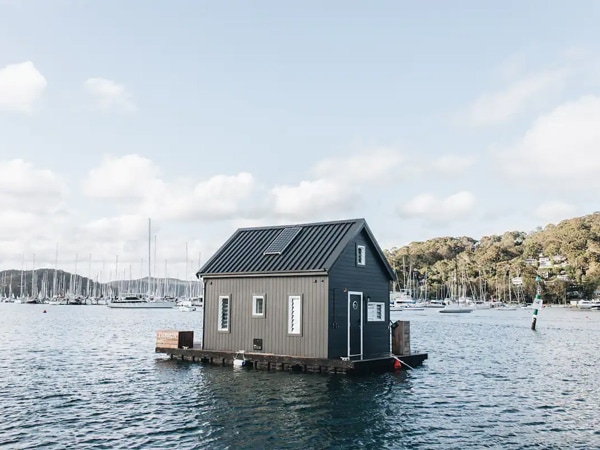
x=282, y=240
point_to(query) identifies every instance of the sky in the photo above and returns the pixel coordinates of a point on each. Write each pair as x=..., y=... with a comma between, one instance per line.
x=428, y=119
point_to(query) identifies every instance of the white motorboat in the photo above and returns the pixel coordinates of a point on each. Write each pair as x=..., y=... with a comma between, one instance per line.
x=239, y=360
x=454, y=308
x=401, y=300
x=588, y=304
x=139, y=301
x=435, y=303
x=401, y=304
x=505, y=307
x=185, y=308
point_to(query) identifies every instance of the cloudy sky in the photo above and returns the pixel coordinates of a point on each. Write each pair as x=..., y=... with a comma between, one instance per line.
x=428, y=119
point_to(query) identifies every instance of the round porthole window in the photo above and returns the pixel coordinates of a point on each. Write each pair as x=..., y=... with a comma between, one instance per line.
x=355, y=304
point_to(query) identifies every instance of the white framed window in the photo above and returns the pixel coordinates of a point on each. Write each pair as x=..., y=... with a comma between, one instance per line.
x=375, y=312
x=360, y=255
x=295, y=315
x=224, y=313
x=258, y=305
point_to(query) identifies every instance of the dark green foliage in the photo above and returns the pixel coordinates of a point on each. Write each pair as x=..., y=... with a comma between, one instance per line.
x=486, y=266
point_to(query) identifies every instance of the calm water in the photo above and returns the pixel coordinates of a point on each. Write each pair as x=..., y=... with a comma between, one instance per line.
x=88, y=377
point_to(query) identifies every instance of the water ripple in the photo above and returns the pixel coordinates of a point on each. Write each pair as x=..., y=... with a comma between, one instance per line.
x=91, y=380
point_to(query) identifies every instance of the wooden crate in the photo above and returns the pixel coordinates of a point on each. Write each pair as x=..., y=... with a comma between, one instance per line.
x=174, y=339
x=401, y=337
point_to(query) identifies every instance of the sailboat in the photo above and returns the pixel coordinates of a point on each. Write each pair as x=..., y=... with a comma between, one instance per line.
x=454, y=306
x=401, y=299
x=511, y=306
x=138, y=300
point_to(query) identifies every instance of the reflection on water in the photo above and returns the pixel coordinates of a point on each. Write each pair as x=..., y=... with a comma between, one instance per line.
x=88, y=377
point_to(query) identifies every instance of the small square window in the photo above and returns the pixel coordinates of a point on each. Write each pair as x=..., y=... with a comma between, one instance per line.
x=360, y=255
x=376, y=312
x=258, y=306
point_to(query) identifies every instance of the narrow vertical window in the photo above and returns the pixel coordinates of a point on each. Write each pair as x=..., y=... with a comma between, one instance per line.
x=295, y=315
x=258, y=305
x=380, y=312
x=224, y=308
x=360, y=255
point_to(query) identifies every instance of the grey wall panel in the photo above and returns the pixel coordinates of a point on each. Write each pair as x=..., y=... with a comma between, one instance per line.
x=273, y=328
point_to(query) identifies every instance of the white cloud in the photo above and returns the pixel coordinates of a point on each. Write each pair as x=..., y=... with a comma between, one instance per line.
x=310, y=198
x=500, y=106
x=115, y=229
x=432, y=208
x=32, y=205
x=336, y=184
x=452, y=165
x=20, y=87
x=135, y=183
x=555, y=211
x=110, y=95
x=560, y=150
x=219, y=196
x=373, y=166
x=26, y=188
x=126, y=178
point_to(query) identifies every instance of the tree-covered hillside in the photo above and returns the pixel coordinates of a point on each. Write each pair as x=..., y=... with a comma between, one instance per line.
x=566, y=256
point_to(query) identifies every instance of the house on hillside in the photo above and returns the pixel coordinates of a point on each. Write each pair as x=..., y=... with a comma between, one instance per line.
x=314, y=290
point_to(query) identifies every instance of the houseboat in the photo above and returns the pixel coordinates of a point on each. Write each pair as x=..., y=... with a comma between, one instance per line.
x=313, y=295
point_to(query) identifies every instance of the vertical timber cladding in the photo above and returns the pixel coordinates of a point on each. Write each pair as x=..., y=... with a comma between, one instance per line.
x=273, y=328
x=370, y=279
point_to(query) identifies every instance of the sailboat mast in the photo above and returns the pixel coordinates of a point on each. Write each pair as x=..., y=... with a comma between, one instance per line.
x=55, y=280
x=149, y=253
x=403, y=273
x=187, y=283
x=22, y=275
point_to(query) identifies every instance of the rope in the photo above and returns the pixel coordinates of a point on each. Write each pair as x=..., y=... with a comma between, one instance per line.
x=402, y=362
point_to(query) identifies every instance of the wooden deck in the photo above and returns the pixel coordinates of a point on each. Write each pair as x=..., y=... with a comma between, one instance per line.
x=268, y=361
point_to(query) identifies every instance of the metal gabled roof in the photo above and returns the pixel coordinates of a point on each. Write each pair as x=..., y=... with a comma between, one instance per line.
x=314, y=248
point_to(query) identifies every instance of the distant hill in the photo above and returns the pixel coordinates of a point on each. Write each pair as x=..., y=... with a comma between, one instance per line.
x=566, y=256
x=48, y=282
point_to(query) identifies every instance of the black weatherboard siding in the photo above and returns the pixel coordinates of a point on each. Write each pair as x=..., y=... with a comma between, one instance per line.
x=373, y=281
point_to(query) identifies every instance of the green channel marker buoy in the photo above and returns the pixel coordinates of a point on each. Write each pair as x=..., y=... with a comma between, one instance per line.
x=537, y=303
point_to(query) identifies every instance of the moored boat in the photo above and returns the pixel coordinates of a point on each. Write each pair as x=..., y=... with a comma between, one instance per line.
x=139, y=301
x=239, y=360
x=455, y=308
x=400, y=300
x=434, y=303
x=588, y=304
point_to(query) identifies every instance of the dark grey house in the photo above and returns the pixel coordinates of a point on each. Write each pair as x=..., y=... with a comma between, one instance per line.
x=315, y=290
